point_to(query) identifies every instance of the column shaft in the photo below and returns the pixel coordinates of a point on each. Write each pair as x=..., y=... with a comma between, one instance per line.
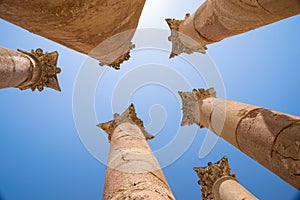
x=219, y=19
x=216, y=20
x=15, y=68
x=132, y=169
x=269, y=137
x=75, y=24
x=229, y=189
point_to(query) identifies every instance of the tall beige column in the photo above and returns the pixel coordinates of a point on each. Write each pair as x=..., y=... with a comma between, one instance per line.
x=269, y=137
x=98, y=28
x=132, y=170
x=24, y=70
x=215, y=20
x=217, y=183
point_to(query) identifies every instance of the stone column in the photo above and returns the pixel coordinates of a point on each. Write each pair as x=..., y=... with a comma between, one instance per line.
x=24, y=70
x=217, y=183
x=132, y=170
x=215, y=20
x=269, y=137
x=86, y=26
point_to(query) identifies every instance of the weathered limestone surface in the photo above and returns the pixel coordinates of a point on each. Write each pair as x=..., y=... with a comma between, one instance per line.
x=218, y=183
x=273, y=139
x=15, y=68
x=215, y=20
x=229, y=189
x=78, y=24
x=132, y=169
x=23, y=70
x=269, y=137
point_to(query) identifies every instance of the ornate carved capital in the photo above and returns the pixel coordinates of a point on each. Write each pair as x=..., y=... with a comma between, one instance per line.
x=119, y=60
x=129, y=116
x=44, y=73
x=190, y=104
x=177, y=38
x=210, y=174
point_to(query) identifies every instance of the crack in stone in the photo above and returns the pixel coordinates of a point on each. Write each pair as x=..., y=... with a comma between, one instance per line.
x=276, y=138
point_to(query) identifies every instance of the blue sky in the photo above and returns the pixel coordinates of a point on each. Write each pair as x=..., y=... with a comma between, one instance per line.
x=43, y=154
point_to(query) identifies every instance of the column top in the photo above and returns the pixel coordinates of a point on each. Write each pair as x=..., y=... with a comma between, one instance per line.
x=128, y=116
x=45, y=70
x=178, y=45
x=190, y=104
x=210, y=174
x=116, y=62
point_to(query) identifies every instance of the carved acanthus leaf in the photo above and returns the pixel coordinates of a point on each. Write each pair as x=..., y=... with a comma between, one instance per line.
x=191, y=102
x=210, y=174
x=129, y=116
x=119, y=60
x=176, y=38
x=49, y=70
